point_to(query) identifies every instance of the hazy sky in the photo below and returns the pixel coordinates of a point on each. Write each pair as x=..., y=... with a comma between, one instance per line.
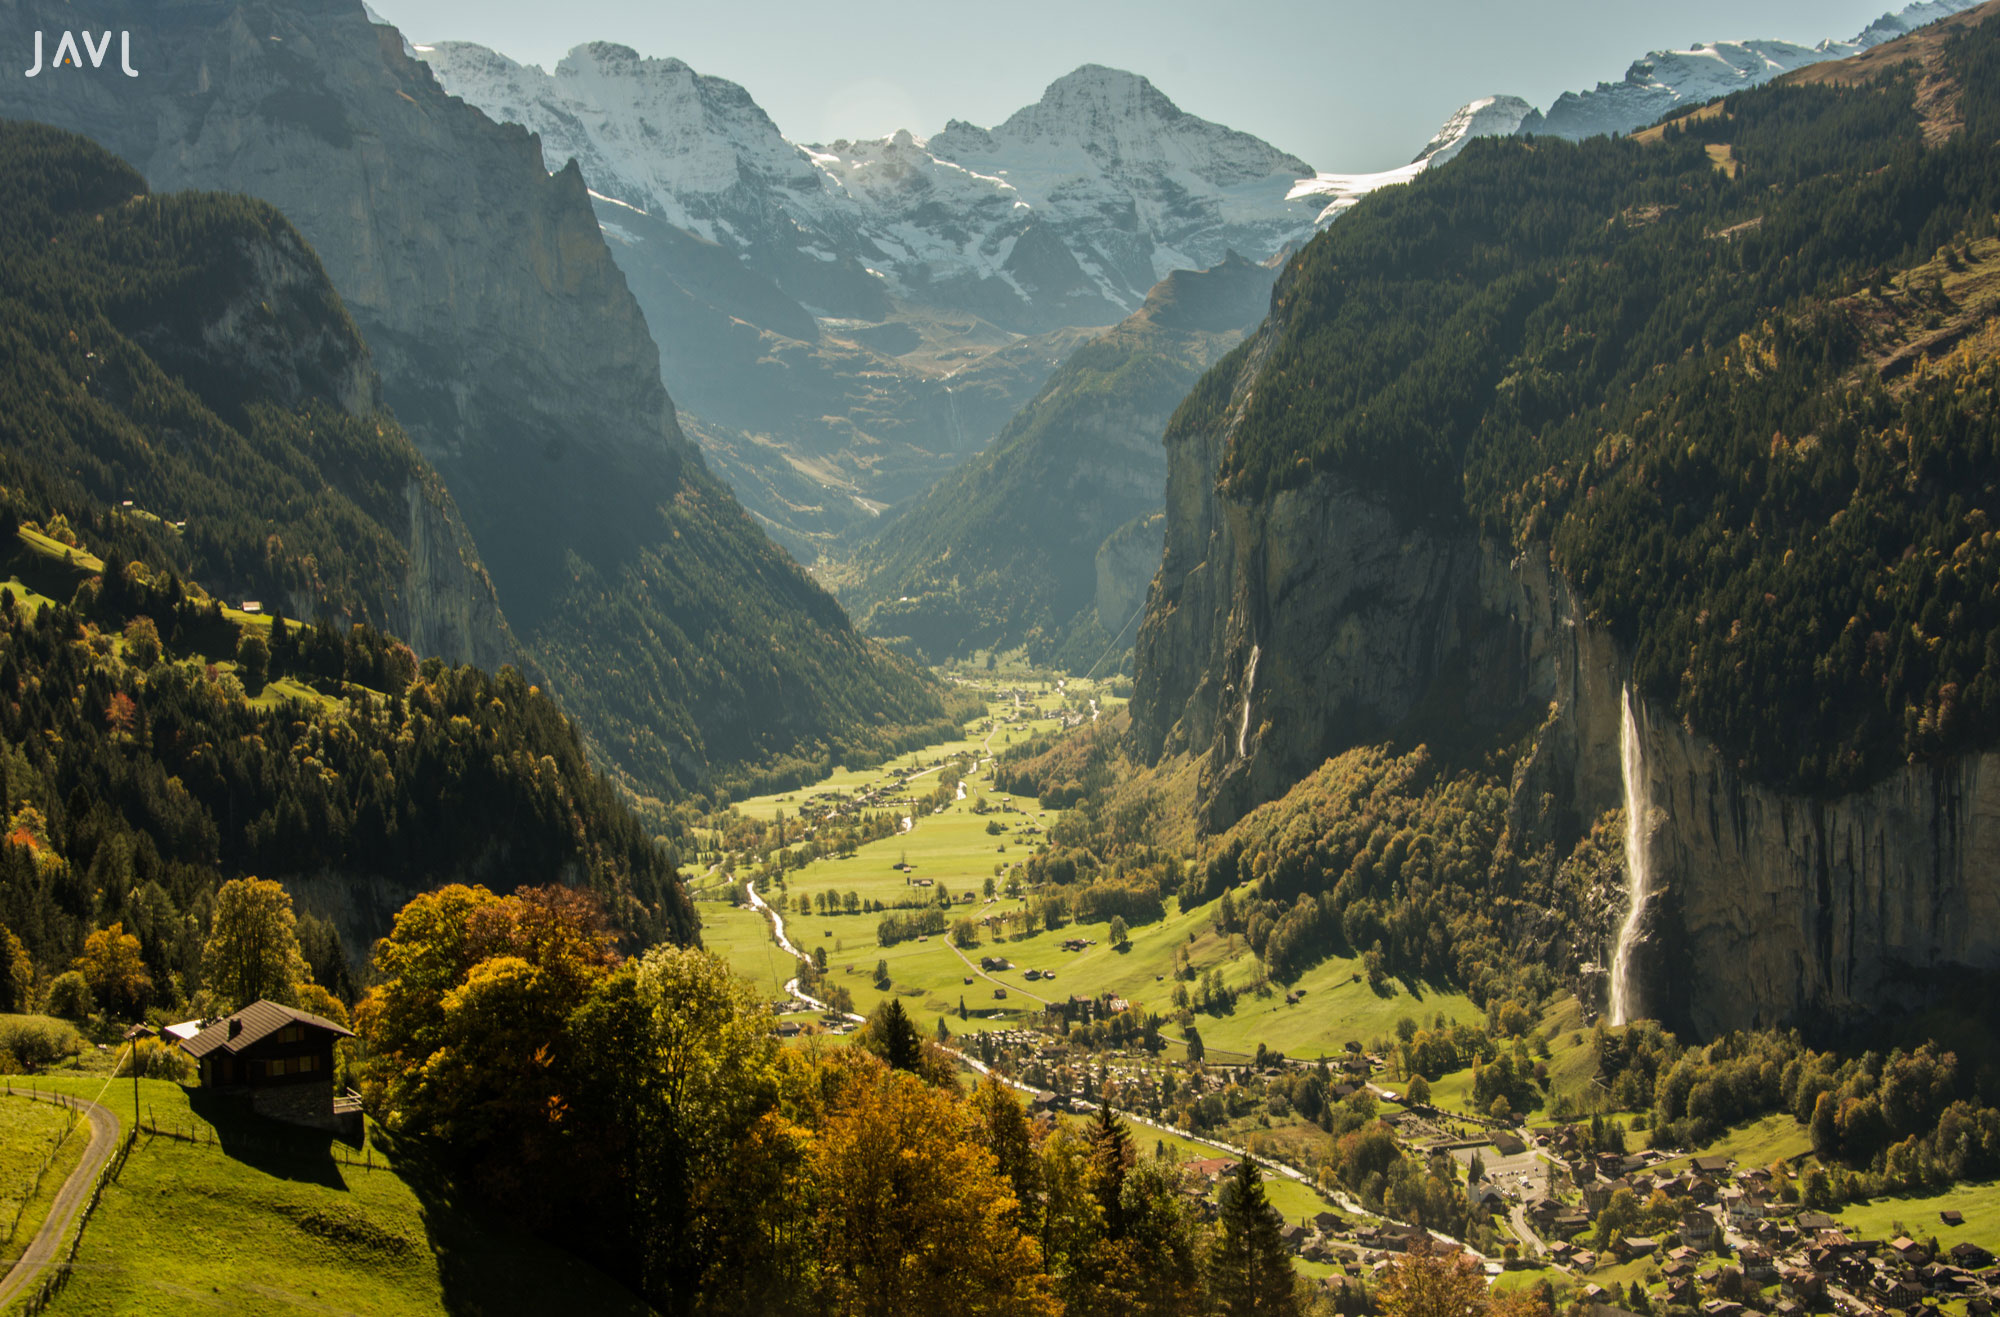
x=1348, y=86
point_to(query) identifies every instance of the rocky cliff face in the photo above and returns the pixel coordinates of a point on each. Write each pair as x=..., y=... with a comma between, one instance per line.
x=1279, y=634
x=449, y=604
x=513, y=351
x=1770, y=908
x=278, y=100
x=1363, y=624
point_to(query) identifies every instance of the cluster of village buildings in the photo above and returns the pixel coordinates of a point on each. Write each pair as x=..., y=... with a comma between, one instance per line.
x=1734, y=1246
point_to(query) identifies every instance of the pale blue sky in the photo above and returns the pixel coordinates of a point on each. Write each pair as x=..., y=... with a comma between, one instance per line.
x=1348, y=86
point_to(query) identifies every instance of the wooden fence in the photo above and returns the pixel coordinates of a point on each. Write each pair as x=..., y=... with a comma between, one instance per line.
x=48, y=1157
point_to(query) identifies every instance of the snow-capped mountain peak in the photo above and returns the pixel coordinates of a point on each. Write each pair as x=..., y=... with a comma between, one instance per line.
x=1664, y=80
x=1489, y=116
x=1010, y=221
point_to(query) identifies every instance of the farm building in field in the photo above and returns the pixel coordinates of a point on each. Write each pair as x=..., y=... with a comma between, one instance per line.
x=280, y=1058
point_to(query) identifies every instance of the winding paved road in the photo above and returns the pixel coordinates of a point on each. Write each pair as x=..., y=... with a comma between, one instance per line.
x=69, y=1201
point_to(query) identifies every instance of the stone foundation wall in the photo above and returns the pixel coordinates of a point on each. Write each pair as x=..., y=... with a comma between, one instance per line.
x=310, y=1103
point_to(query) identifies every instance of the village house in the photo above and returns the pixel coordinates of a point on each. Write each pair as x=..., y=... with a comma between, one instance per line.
x=1212, y=1170
x=281, y=1059
x=1896, y=1291
x=1970, y=1256
x=1742, y=1205
x=1758, y=1268
x=1597, y=1194
x=1802, y=1283
x=1637, y=1246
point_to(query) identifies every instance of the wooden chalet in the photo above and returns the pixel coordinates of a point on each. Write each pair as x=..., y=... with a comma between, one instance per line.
x=280, y=1058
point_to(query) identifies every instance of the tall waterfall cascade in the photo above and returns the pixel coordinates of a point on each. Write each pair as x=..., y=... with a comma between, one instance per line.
x=1249, y=685
x=1625, y=1003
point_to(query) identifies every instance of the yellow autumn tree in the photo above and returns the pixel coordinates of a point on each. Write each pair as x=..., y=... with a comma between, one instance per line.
x=915, y=1215
x=1428, y=1282
x=115, y=970
x=253, y=950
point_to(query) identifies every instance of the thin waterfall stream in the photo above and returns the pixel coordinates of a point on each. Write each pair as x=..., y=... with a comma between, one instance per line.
x=1249, y=685
x=1625, y=1003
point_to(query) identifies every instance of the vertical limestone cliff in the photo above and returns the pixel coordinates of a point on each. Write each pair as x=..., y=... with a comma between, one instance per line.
x=1366, y=625
x=1370, y=625
x=449, y=604
x=1774, y=908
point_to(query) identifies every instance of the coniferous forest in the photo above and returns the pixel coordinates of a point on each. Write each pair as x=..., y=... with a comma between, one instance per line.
x=583, y=921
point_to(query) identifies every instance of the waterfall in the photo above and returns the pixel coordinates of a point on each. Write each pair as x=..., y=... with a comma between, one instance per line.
x=957, y=426
x=1249, y=684
x=1625, y=1003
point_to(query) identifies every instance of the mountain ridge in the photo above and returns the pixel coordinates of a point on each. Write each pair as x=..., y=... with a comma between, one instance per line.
x=513, y=352
x=829, y=318
x=1612, y=464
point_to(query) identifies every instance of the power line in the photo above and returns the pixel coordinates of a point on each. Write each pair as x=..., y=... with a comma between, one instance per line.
x=1115, y=639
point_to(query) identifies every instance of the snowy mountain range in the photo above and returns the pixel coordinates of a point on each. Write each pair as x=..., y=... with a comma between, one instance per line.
x=844, y=323
x=1065, y=214
x=1068, y=213
x=1665, y=80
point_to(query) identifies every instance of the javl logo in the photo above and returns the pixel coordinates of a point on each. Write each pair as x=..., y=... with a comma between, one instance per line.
x=67, y=55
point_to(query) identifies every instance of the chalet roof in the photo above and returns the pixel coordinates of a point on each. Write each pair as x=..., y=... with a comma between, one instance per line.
x=254, y=1023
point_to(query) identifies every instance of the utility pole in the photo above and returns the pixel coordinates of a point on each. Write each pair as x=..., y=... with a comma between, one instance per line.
x=132, y=1037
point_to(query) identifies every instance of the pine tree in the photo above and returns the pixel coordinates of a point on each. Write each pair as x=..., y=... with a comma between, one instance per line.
x=1249, y=1270
x=893, y=1036
x=1111, y=1155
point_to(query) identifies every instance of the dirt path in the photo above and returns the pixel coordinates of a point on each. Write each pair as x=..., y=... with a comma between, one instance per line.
x=990, y=979
x=69, y=1201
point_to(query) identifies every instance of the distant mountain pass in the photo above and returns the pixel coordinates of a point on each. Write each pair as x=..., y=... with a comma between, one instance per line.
x=1048, y=539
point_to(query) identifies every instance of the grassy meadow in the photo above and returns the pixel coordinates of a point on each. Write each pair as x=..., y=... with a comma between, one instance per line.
x=249, y=1215
x=30, y=1177
x=954, y=850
